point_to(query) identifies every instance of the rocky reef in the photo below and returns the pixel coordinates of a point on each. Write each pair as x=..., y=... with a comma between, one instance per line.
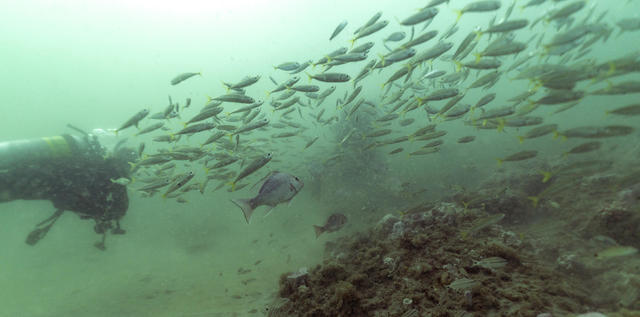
x=420, y=265
x=491, y=252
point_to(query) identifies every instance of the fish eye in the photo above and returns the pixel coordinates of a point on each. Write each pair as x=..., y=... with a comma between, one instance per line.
x=296, y=177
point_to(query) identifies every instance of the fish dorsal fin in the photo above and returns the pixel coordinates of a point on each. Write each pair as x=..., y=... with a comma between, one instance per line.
x=263, y=179
x=265, y=186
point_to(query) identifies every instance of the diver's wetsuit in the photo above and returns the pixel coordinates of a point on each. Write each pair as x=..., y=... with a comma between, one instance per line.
x=73, y=174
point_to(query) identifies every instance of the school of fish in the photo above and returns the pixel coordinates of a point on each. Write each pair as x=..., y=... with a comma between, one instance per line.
x=412, y=76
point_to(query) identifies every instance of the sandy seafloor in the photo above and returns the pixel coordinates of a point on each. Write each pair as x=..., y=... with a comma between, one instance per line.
x=174, y=260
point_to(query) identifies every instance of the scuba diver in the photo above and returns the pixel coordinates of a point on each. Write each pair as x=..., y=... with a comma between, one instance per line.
x=75, y=173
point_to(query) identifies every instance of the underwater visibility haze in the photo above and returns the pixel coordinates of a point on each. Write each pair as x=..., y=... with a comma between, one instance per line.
x=320, y=158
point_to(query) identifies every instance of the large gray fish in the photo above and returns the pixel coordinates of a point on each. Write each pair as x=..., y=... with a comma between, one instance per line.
x=334, y=223
x=278, y=188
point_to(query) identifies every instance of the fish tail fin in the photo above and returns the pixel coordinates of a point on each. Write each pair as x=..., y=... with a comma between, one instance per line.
x=545, y=176
x=309, y=75
x=500, y=161
x=246, y=206
x=479, y=34
x=501, y=124
x=116, y=132
x=352, y=41
x=565, y=155
x=319, y=230
x=521, y=139
x=464, y=234
x=458, y=66
x=534, y=200
x=209, y=98
x=458, y=14
x=478, y=57
x=382, y=61
x=612, y=69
